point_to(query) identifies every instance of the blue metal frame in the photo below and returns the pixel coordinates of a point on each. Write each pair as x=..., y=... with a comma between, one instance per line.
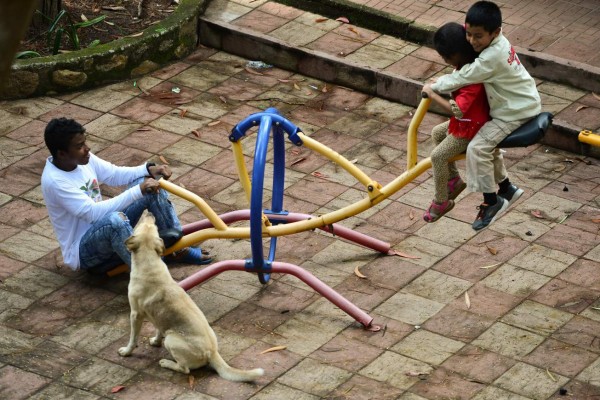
x=269, y=121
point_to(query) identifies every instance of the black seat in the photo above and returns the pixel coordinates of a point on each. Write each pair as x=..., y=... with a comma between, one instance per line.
x=170, y=236
x=529, y=133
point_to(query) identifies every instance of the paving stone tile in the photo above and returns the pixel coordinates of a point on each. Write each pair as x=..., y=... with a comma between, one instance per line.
x=570, y=240
x=427, y=346
x=43, y=360
x=144, y=356
x=428, y=253
x=374, y=56
x=13, y=151
x=111, y=127
x=590, y=374
x=437, y=286
x=314, y=377
x=391, y=272
x=102, y=99
x=580, y=332
x=566, y=296
x=150, y=139
x=169, y=70
x=141, y=110
x=40, y=320
x=530, y=381
x=213, y=305
x=561, y=358
x=10, y=121
x=22, y=214
x=198, y=78
x=13, y=341
x=542, y=260
x=363, y=293
x=357, y=125
x=31, y=107
x=408, y=308
x=345, y=353
x=520, y=225
x=578, y=389
x=478, y=364
x=301, y=336
x=226, y=11
x=78, y=298
x=438, y=233
x=446, y=384
x=18, y=384
x=84, y=115
x=276, y=391
x=8, y=266
x=493, y=393
x=31, y=133
x=396, y=370
x=361, y=388
x=27, y=246
x=88, y=336
x=467, y=265
x=415, y=68
x=98, y=376
x=203, y=183
x=148, y=386
x=44, y=227
x=344, y=256
x=515, y=281
x=583, y=273
x=252, y=321
x=537, y=318
x=508, y=341
x=553, y=208
x=391, y=332
x=58, y=391
x=12, y=304
x=34, y=282
x=458, y=324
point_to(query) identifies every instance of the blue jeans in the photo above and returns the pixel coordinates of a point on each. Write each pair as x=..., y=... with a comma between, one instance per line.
x=103, y=247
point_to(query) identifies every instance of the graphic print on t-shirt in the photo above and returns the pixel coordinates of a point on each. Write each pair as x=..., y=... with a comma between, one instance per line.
x=92, y=189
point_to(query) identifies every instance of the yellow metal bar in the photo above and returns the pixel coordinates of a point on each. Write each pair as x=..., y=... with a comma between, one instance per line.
x=196, y=200
x=238, y=154
x=371, y=185
x=413, y=128
x=589, y=137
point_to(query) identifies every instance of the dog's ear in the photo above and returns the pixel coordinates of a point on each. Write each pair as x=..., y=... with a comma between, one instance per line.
x=132, y=243
x=159, y=246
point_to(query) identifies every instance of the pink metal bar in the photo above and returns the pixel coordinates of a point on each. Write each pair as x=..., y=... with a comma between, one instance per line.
x=338, y=230
x=284, y=268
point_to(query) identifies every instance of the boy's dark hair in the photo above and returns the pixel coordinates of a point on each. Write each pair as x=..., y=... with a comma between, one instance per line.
x=450, y=39
x=485, y=14
x=59, y=132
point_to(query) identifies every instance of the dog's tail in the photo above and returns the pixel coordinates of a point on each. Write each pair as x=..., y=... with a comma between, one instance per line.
x=233, y=374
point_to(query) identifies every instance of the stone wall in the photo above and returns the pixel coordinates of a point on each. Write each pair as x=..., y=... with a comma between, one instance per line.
x=173, y=38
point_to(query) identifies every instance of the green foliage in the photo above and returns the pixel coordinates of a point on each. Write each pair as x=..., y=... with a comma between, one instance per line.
x=27, y=54
x=68, y=27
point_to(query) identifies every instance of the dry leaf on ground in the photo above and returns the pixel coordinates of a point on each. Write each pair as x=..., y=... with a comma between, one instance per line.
x=117, y=389
x=343, y=19
x=217, y=122
x=276, y=348
x=196, y=133
x=492, y=250
x=401, y=254
x=163, y=159
x=537, y=214
x=467, y=300
x=191, y=380
x=251, y=71
x=359, y=274
x=596, y=96
x=580, y=108
x=320, y=19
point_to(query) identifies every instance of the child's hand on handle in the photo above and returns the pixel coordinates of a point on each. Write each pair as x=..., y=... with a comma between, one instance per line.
x=427, y=92
x=149, y=185
x=160, y=171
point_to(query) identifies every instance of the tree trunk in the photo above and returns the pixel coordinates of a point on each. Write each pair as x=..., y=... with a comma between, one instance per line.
x=49, y=8
x=14, y=20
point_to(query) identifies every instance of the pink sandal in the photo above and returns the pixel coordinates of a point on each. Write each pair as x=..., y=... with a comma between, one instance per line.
x=455, y=187
x=436, y=211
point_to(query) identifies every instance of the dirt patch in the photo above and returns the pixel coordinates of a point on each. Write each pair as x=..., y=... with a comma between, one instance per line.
x=123, y=18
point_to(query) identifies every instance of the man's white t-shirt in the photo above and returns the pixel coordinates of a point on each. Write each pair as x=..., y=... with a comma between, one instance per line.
x=74, y=200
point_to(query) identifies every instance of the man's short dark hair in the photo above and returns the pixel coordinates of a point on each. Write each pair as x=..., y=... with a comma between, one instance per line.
x=450, y=39
x=59, y=132
x=485, y=14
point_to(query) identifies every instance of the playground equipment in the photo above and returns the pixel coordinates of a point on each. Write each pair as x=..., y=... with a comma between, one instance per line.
x=274, y=222
x=587, y=136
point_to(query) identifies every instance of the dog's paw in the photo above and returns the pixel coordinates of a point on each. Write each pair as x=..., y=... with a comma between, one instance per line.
x=125, y=351
x=155, y=341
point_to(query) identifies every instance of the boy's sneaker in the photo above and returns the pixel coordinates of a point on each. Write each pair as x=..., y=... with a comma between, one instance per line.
x=512, y=194
x=488, y=214
x=455, y=187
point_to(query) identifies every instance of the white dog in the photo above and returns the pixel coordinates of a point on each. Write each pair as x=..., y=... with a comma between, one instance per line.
x=154, y=295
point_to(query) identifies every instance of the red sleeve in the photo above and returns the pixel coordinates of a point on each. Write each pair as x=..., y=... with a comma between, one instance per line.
x=466, y=95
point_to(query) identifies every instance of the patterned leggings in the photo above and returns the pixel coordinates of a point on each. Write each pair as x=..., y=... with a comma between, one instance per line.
x=447, y=147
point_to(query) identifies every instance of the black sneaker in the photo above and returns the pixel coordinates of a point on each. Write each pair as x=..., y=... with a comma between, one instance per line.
x=488, y=214
x=512, y=194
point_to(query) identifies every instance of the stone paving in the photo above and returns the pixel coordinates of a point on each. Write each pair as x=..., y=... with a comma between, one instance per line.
x=529, y=328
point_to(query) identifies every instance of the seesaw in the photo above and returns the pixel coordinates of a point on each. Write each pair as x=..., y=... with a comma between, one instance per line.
x=275, y=222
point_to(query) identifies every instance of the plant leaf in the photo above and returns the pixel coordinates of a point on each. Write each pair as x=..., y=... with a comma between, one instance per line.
x=163, y=159
x=196, y=133
x=492, y=250
x=275, y=348
x=550, y=375
x=401, y=254
x=296, y=86
x=343, y=19
x=223, y=99
x=580, y=108
x=217, y=122
x=117, y=389
x=467, y=300
x=320, y=19
x=411, y=214
x=251, y=71
x=490, y=266
x=596, y=220
x=359, y=274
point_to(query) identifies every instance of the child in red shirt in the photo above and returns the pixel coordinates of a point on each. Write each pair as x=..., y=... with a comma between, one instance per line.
x=470, y=110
